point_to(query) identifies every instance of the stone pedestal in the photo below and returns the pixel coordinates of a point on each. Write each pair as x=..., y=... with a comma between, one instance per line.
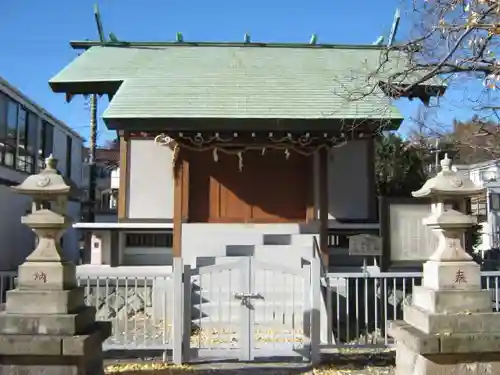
x=449, y=328
x=46, y=327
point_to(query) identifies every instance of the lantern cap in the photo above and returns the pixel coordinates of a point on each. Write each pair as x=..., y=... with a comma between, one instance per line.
x=448, y=183
x=48, y=183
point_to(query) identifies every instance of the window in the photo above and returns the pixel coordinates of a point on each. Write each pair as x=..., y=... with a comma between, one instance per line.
x=69, y=152
x=495, y=202
x=487, y=176
x=22, y=126
x=11, y=136
x=23, y=162
x=3, y=116
x=31, y=140
x=113, y=200
x=105, y=201
x=3, y=124
x=46, y=142
x=18, y=135
x=12, y=115
x=149, y=240
x=102, y=171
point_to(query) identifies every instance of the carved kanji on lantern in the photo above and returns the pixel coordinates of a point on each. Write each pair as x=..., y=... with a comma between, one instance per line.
x=460, y=277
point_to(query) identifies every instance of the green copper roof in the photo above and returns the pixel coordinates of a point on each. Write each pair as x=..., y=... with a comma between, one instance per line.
x=234, y=81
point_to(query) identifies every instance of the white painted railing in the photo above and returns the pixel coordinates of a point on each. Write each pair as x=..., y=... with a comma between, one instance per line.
x=144, y=305
x=139, y=305
x=360, y=305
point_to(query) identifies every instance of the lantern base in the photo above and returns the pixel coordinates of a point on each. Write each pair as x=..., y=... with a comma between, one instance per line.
x=449, y=275
x=46, y=276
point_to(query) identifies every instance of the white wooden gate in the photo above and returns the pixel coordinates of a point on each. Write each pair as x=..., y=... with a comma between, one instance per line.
x=247, y=309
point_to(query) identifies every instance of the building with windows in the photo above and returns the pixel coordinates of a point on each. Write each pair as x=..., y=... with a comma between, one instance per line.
x=487, y=209
x=106, y=186
x=28, y=135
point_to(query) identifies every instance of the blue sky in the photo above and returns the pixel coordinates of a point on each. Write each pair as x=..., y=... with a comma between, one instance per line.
x=35, y=35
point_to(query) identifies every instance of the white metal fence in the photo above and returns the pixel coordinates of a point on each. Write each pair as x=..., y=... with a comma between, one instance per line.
x=137, y=304
x=360, y=305
x=144, y=305
x=148, y=307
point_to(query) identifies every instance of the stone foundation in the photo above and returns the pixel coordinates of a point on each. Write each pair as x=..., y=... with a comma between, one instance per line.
x=418, y=353
x=37, y=354
x=411, y=363
x=89, y=363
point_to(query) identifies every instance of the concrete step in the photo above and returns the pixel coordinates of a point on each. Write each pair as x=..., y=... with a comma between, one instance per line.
x=289, y=239
x=339, y=257
x=240, y=250
x=210, y=261
x=345, y=262
x=335, y=269
x=286, y=255
x=256, y=250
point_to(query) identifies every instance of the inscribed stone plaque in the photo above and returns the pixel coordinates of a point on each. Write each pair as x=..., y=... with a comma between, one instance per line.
x=365, y=245
x=410, y=240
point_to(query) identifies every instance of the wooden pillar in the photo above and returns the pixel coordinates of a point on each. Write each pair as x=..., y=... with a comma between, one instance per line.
x=181, y=200
x=310, y=212
x=323, y=203
x=122, y=192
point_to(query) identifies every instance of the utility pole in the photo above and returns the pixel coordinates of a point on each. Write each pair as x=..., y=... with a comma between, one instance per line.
x=93, y=132
x=92, y=161
x=90, y=204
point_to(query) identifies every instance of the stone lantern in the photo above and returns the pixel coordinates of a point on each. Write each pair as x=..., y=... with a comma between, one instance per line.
x=46, y=327
x=48, y=219
x=448, y=193
x=449, y=328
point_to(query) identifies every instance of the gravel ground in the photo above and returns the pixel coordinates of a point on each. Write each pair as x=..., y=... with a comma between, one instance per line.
x=335, y=364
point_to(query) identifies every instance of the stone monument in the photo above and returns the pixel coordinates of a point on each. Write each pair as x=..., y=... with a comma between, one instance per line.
x=449, y=328
x=46, y=327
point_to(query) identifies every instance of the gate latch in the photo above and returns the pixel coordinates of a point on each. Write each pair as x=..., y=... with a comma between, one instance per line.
x=245, y=297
